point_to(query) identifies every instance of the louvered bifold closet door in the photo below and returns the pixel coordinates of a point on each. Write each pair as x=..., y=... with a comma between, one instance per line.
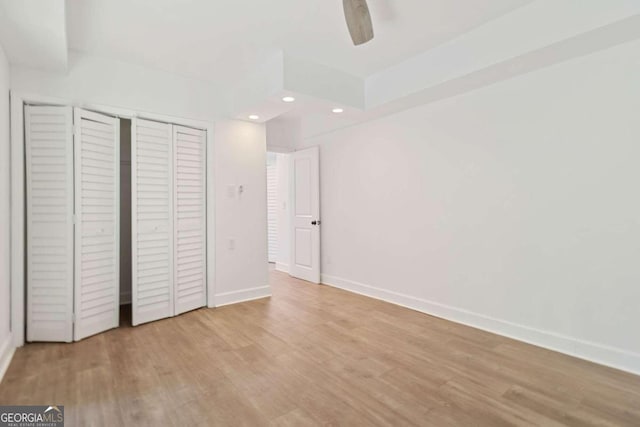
x=272, y=212
x=151, y=221
x=49, y=207
x=97, y=163
x=190, y=218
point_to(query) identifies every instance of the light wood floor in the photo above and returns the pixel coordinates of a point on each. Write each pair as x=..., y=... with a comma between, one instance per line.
x=314, y=355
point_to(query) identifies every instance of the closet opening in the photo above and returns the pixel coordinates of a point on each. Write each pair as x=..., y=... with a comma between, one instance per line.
x=125, y=222
x=115, y=221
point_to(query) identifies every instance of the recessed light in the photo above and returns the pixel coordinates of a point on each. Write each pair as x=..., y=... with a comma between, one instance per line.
x=254, y=117
x=337, y=110
x=288, y=99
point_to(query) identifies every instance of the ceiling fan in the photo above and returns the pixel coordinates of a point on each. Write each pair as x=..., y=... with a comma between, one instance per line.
x=356, y=13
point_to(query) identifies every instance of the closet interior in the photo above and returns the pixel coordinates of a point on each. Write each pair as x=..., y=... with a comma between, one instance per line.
x=115, y=215
x=125, y=221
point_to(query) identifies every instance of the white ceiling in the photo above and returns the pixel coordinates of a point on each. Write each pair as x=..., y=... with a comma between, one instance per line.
x=221, y=39
x=240, y=57
x=33, y=33
x=506, y=47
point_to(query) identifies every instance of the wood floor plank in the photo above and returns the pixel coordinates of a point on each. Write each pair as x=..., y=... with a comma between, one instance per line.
x=315, y=355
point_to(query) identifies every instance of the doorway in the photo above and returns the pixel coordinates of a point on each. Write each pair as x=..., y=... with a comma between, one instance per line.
x=293, y=213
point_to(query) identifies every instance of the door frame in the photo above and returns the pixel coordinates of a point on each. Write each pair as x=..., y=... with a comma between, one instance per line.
x=18, y=196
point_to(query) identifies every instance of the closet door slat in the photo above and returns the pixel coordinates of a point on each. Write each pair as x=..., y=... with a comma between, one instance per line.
x=97, y=237
x=272, y=212
x=189, y=218
x=49, y=182
x=151, y=221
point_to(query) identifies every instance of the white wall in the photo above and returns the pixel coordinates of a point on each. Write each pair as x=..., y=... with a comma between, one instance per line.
x=514, y=208
x=241, y=217
x=5, y=234
x=283, y=134
x=95, y=80
x=282, y=165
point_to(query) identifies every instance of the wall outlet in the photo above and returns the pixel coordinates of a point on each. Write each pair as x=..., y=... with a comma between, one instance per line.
x=232, y=244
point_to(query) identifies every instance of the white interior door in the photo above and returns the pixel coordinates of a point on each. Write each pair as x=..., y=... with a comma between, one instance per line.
x=97, y=196
x=151, y=220
x=190, y=233
x=305, y=215
x=49, y=182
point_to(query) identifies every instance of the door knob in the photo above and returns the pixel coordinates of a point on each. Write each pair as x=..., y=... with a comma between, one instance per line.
x=315, y=222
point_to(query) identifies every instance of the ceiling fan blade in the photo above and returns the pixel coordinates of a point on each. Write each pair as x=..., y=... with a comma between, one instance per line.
x=356, y=13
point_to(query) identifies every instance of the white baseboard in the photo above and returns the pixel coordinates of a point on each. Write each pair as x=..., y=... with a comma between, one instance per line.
x=6, y=354
x=242, y=295
x=593, y=352
x=281, y=266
